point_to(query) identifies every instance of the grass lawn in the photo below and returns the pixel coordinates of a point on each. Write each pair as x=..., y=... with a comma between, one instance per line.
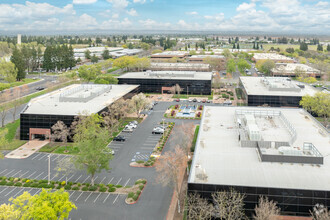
x=69, y=149
x=192, y=149
x=10, y=136
x=284, y=46
x=24, y=81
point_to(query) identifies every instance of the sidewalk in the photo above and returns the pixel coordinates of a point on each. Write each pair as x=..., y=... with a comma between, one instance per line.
x=26, y=150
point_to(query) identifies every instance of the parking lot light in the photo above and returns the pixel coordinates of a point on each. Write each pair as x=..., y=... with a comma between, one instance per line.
x=49, y=169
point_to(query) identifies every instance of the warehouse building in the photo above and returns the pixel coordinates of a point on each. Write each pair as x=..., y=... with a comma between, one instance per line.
x=279, y=153
x=199, y=67
x=64, y=104
x=203, y=58
x=277, y=58
x=198, y=83
x=165, y=56
x=292, y=69
x=274, y=91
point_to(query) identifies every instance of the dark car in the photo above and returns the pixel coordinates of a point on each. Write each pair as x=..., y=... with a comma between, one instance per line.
x=119, y=138
x=194, y=100
x=40, y=88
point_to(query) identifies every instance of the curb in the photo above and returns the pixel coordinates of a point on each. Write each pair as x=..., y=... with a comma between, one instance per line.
x=144, y=186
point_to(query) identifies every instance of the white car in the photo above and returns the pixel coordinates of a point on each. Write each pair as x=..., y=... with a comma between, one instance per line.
x=158, y=130
x=132, y=126
x=134, y=122
x=128, y=129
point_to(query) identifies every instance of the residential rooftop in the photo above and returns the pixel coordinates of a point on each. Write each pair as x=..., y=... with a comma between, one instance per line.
x=180, y=75
x=77, y=99
x=270, y=56
x=275, y=86
x=227, y=151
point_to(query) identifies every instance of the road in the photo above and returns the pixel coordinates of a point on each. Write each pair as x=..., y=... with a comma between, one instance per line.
x=155, y=199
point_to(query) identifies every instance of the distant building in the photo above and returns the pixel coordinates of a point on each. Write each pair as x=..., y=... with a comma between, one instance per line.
x=64, y=104
x=191, y=82
x=19, y=39
x=200, y=67
x=274, y=91
x=278, y=153
x=202, y=58
x=289, y=70
x=277, y=58
x=164, y=56
x=115, y=52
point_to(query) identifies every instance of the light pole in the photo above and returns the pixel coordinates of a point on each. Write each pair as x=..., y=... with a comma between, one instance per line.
x=163, y=128
x=49, y=169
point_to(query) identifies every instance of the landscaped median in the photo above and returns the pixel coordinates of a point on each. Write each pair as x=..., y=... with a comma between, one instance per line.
x=158, y=148
x=184, y=111
x=133, y=192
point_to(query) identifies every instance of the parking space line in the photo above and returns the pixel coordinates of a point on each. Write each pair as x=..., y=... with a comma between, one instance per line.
x=18, y=193
x=79, y=196
x=3, y=171
x=78, y=178
x=24, y=173
x=64, y=157
x=35, y=156
x=102, y=179
x=61, y=178
x=95, y=178
x=86, y=179
x=110, y=180
x=4, y=190
x=31, y=174
x=71, y=194
x=127, y=182
x=42, y=157
x=10, y=191
x=119, y=181
x=39, y=190
x=39, y=175
x=53, y=177
x=106, y=198
x=9, y=173
x=88, y=196
x=70, y=177
x=115, y=199
x=46, y=177
x=56, y=157
x=97, y=197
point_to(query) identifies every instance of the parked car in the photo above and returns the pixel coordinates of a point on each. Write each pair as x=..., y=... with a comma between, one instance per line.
x=128, y=129
x=208, y=101
x=177, y=100
x=198, y=100
x=40, y=88
x=158, y=130
x=203, y=100
x=133, y=126
x=194, y=100
x=190, y=100
x=134, y=122
x=119, y=138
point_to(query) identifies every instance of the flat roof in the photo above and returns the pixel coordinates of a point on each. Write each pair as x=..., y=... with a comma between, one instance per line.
x=275, y=86
x=170, y=53
x=270, y=56
x=192, y=65
x=220, y=159
x=77, y=98
x=291, y=67
x=182, y=75
x=205, y=56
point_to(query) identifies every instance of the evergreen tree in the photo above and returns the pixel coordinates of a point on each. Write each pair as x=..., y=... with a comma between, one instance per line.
x=87, y=54
x=234, y=47
x=257, y=46
x=17, y=59
x=94, y=59
x=72, y=61
x=237, y=45
x=106, y=54
x=328, y=47
x=319, y=47
x=303, y=46
x=254, y=45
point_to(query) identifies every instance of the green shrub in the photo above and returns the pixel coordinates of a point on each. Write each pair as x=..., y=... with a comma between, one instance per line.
x=3, y=182
x=92, y=188
x=75, y=188
x=78, y=184
x=137, y=182
x=26, y=185
x=70, y=183
x=85, y=188
x=58, y=187
x=102, y=189
x=87, y=184
x=143, y=181
x=63, y=183
x=67, y=187
x=18, y=184
x=110, y=185
x=130, y=195
x=11, y=179
x=112, y=189
x=3, y=178
x=138, y=192
x=10, y=183
x=118, y=186
x=140, y=161
x=52, y=182
x=16, y=179
x=135, y=197
x=34, y=184
x=141, y=187
x=147, y=164
x=231, y=98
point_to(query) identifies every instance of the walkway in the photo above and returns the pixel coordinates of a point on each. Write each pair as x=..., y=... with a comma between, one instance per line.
x=27, y=149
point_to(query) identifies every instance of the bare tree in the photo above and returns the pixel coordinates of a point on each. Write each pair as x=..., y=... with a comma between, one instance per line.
x=266, y=210
x=320, y=212
x=229, y=204
x=3, y=114
x=60, y=132
x=178, y=89
x=65, y=167
x=169, y=169
x=184, y=135
x=139, y=102
x=198, y=207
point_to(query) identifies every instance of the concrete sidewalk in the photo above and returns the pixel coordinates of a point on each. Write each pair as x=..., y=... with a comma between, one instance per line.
x=26, y=150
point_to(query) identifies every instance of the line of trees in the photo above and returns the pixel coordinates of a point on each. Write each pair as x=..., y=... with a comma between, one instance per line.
x=58, y=58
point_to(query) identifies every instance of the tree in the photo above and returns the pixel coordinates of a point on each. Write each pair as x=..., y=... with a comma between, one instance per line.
x=89, y=73
x=265, y=66
x=8, y=71
x=226, y=53
x=60, y=132
x=106, y=79
x=320, y=212
x=216, y=81
x=87, y=54
x=198, y=207
x=92, y=139
x=328, y=47
x=231, y=66
x=242, y=64
x=178, y=89
x=215, y=63
x=3, y=114
x=319, y=47
x=3, y=141
x=106, y=54
x=8, y=212
x=65, y=167
x=169, y=167
x=303, y=46
x=94, y=59
x=17, y=59
x=318, y=104
x=46, y=205
x=229, y=205
x=139, y=102
x=266, y=210
x=289, y=50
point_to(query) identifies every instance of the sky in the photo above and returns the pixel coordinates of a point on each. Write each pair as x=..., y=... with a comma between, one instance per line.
x=276, y=16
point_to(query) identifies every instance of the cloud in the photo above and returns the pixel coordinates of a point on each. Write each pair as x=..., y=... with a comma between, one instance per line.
x=132, y=12
x=119, y=4
x=216, y=17
x=140, y=1
x=84, y=1
x=152, y=24
x=116, y=24
x=192, y=13
x=245, y=6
